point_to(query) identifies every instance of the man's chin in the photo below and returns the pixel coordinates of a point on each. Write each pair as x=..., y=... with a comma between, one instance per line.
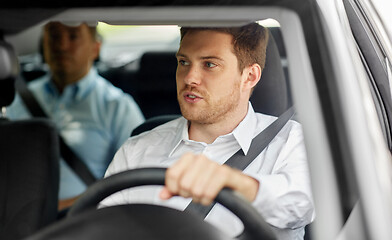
x=199, y=117
x=60, y=63
x=60, y=68
x=193, y=113
x=189, y=115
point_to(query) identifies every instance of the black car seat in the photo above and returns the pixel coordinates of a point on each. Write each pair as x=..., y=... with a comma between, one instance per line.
x=29, y=158
x=150, y=80
x=155, y=82
x=270, y=96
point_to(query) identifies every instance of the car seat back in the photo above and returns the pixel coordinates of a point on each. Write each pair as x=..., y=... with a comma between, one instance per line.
x=156, y=84
x=29, y=158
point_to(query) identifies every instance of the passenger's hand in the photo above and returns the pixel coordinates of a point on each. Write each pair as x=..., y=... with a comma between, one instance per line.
x=66, y=203
x=202, y=179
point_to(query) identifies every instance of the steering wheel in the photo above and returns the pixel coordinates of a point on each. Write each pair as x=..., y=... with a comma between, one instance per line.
x=145, y=221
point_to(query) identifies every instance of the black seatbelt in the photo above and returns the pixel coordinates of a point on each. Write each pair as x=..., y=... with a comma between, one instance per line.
x=241, y=161
x=73, y=161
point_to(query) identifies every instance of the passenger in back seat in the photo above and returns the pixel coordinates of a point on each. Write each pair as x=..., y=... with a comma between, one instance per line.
x=94, y=117
x=217, y=70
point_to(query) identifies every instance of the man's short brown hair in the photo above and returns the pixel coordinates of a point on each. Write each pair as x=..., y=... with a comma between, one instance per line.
x=249, y=42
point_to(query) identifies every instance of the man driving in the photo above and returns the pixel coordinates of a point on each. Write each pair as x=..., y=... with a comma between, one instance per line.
x=217, y=70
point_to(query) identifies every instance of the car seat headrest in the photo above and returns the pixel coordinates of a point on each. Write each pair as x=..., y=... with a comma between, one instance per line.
x=158, y=71
x=158, y=63
x=271, y=94
x=8, y=73
x=8, y=61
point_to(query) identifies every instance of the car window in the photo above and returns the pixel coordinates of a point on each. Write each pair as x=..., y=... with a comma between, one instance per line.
x=123, y=43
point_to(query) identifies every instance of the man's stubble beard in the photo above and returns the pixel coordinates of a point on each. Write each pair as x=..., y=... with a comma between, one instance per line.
x=213, y=110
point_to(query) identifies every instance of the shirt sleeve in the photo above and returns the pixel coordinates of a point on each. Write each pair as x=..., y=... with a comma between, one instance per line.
x=118, y=164
x=17, y=110
x=284, y=198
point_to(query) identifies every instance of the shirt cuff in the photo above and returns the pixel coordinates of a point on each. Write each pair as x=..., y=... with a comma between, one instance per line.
x=281, y=204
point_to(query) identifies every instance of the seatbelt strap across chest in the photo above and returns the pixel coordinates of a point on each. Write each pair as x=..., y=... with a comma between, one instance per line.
x=73, y=161
x=241, y=161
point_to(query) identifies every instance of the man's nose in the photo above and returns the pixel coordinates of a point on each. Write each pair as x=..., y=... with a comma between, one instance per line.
x=192, y=76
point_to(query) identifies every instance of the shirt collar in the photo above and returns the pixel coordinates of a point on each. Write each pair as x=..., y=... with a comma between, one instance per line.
x=77, y=90
x=181, y=134
x=242, y=133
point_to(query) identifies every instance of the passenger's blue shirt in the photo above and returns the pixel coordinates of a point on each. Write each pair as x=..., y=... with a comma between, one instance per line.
x=94, y=118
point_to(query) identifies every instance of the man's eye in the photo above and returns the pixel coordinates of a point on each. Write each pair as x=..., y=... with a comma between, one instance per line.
x=54, y=36
x=183, y=62
x=210, y=65
x=73, y=36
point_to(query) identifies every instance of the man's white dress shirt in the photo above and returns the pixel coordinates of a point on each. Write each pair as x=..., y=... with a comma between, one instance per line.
x=284, y=198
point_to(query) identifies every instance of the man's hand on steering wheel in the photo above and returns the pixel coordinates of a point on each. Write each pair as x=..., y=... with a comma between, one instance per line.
x=202, y=179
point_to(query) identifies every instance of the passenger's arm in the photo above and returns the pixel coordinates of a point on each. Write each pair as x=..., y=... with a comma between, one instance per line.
x=126, y=116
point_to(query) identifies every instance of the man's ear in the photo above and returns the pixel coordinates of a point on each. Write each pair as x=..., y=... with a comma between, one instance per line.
x=96, y=50
x=252, y=76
